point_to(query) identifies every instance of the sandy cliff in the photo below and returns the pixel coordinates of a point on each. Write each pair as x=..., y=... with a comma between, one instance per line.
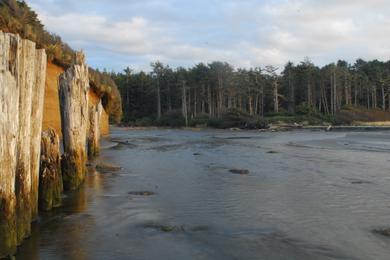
x=51, y=114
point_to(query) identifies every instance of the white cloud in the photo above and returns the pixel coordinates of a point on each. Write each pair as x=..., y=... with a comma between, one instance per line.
x=244, y=33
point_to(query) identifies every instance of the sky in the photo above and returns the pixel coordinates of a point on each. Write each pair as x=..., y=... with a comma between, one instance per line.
x=246, y=33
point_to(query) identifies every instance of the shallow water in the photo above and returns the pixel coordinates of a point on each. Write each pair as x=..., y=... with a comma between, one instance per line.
x=308, y=195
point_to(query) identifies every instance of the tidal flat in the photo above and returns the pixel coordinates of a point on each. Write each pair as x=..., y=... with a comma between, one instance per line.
x=213, y=194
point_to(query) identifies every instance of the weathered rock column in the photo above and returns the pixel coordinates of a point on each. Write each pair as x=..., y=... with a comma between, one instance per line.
x=38, y=95
x=23, y=167
x=9, y=125
x=74, y=85
x=22, y=83
x=95, y=112
x=50, y=178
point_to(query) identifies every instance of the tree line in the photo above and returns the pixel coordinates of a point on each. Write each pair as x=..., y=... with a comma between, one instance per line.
x=209, y=90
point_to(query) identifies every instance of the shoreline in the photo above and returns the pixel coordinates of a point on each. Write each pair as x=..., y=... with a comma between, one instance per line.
x=274, y=128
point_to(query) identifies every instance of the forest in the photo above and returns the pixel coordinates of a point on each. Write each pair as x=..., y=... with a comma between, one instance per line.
x=217, y=91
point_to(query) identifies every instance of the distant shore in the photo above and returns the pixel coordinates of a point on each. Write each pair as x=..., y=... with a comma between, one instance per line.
x=373, y=126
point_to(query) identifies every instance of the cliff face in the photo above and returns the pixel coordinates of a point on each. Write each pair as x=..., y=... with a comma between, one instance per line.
x=23, y=89
x=22, y=78
x=74, y=86
x=51, y=114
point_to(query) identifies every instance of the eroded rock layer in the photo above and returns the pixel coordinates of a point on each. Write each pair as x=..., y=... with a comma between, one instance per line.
x=22, y=82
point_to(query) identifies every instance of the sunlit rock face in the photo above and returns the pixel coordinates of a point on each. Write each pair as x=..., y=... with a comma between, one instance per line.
x=74, y=86
x=22, y=83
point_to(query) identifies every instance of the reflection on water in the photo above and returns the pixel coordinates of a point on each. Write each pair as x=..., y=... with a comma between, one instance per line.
x=304, y=195
x=60, y=233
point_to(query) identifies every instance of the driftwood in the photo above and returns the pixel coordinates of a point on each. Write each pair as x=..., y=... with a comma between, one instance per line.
x=74, y=85
x=50, y=178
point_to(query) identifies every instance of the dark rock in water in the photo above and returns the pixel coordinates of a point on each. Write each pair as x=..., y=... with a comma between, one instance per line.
x=123, y=146
x=384, y=232
x=142, y=193
x=165, y=228
x=360, y=182
x=200, y=228
x=239, y=171
x=102, y=167
x=272, y=152
x=174, y=228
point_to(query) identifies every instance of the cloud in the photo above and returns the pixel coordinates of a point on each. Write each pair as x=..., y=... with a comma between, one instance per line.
x=244, y=33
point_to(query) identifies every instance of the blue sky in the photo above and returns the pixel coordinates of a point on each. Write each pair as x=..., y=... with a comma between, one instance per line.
x=245, y=33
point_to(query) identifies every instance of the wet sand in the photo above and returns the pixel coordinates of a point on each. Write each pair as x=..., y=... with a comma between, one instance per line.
x=212, y=194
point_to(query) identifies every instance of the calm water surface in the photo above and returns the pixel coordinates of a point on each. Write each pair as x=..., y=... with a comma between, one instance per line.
x=308, y=195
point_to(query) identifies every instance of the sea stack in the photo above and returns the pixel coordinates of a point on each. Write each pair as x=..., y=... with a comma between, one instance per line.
x=74, y=86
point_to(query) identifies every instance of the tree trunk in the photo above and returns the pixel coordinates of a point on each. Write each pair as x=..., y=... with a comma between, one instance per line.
x=262, y=101
x=195, y=103
x=256, y=105
x=203, y=106
x=383, y=98
x=158, y=100
x=388, y=100
x=9, y=125
x=291, y=103
x=210, y=101
x=50, y=177
x=250, y=101
x=188, y=106
x=169, y=99
x=184, y=102
x=74, y=85
x=38, y=96
x=334, y=92
x=309, y=94
x=276, y=96
x=356, y=92
x=220, y=97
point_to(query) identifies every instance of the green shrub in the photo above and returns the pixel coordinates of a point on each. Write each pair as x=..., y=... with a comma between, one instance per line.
x=172, y=119
x=145, y=121
x=234, y=118
x=304, y=109
x=202, y=119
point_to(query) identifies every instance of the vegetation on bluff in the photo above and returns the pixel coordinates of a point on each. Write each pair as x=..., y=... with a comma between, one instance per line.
x=18, y=18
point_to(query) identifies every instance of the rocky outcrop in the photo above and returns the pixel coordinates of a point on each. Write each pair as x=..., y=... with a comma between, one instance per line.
x=9, y=126
x=22, y=80
x=36, y=128
x=30, y=178
x=74, y=86
x=50, y=177
x=95, y=113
